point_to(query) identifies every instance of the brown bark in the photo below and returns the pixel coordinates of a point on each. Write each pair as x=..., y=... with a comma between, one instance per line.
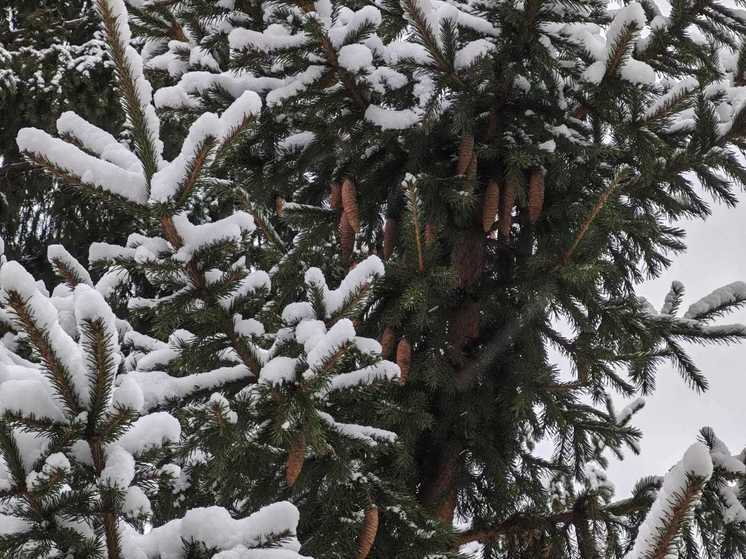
x=489, y=205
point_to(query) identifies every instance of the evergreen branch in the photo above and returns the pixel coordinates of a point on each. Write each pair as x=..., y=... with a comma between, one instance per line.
x=59, y=375
x=145, y=146
x=619, y=179
x=528, y=522
x=97, y=343
x=12, y=455
x=413, y=207
x=194, y=168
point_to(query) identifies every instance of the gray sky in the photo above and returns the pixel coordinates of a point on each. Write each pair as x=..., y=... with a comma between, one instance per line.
x=672, y=417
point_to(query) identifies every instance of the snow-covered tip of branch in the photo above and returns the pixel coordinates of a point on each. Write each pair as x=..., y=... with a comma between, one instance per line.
x=209, y=129
x=720, y=300
x=390, y=119
x=39, y=318
x=336, y=299
x=97, y=141
x=137, y=90
x=681, y=488
x=67, y=266
x=197, y=237
x=217, y=529
x=78, y=166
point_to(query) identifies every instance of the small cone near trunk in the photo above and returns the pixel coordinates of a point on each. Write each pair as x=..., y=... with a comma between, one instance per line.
x=404, y=358
x=389, y=236
x=388, y=338
x=335, y=196
x=535, y=195
x=505, y=210
x=346, y=237
x=368, y=532
x=296, y=457
x=349, y=203
x=465, y=154
x=489, y=206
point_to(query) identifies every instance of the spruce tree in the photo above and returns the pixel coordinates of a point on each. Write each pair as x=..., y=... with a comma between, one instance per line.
x=515, y=165
x=52, y=59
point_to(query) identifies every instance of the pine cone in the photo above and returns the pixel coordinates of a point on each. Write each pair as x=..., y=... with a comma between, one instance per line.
x=349, y=203
x=279, y=205
x=389, y=237
x=346, y=237
x=335, y=195
x=535, y=195
x=388, y=338
x=465, y=154
x=507, y=200
x=296, y=457
x=368, y=532
x=404, y=358
x=489, y=206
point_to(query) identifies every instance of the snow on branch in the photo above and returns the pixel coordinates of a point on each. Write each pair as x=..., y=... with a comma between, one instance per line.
x=719, y=301
x=97, y=141
x=38, y=318
x=272, y=526
x=136, y=89
x=75, y=165
x=66, y=266
x=681, y=489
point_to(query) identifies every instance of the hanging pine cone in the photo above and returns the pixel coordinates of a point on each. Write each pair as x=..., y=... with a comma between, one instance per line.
x=368, y=532
x=389, y=237
x=296, y=457
x=535, y=194
x=404, y=358
x=505, y=210
x=335, y=196
x=388, y=338
x=431, y=233
x=346, y=237
x=349, y=203
x=465, y=154
x=489, y=206
x=279, y=205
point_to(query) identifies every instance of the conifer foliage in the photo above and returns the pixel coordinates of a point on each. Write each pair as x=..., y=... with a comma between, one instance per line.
x=220, y=391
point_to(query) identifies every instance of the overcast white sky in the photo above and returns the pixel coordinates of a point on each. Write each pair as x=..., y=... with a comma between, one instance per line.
x=674, y=414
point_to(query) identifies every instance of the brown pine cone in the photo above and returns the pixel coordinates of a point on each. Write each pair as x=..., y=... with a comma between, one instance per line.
x=388, y=338
x=349, y=203
x=335, y=195
x=505, y=210
x=465, y=154
x=346, y=237
x=404, y=358
x=368, y=532
x=296, y=457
